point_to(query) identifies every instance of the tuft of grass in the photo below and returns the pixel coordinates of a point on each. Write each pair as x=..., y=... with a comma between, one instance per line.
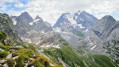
x=10, y=62
x=30, y=46
x=3, y=54
x=20, y=62
x=20, y=44
x=40, y=62
x=2, y=35
x=4, y=47
x=80, y=34
x=63, y=42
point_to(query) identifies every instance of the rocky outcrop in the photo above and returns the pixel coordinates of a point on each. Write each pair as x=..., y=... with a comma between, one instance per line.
x=6, y=25
x=21, y=23
x=105, y=26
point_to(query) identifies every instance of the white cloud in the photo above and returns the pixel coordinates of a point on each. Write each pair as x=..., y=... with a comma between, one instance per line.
x=18, y=4
x=103, y=8
x=50, y=10
x=3, y=6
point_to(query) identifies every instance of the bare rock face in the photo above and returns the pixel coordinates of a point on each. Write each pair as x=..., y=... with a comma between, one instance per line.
x=51, y=38
x=28, y=28
x=6, y=25
x=39, y=25
x=73, y=27
x=105, y=37
x=104, y=27
x=21, y=23
x=80, y=20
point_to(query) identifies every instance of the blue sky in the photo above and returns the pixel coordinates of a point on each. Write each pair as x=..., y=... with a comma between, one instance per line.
x=50, y=10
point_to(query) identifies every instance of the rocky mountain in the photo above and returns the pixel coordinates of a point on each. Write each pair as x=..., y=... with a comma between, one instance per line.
x=25, y=23
x=6, y=25
x=104, y=29
x=104, y=37
x=21, y=23
x=84, y=18
x=79, y=21
x=27, y=27
x=39, y=25
x=74, y=26
x=105, y=26
x=53, y=51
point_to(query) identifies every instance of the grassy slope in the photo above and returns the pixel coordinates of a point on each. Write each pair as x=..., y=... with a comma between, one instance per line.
x=82, y=59
x=26, y=54
x=65, y=53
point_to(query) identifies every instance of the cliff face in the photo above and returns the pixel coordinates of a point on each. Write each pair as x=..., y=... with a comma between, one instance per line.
x=6, y=25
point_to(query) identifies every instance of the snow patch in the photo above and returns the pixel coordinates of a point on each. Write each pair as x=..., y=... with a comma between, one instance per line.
x=70, y=18
x=37, y=20
x=86, y=30
x=76, y=17
x=47, y=46
x=79, y=12
x=43, y=32
x=57, y=29
x=80, y=25
x=31, y=23
x=14, y=21
x=93, y=47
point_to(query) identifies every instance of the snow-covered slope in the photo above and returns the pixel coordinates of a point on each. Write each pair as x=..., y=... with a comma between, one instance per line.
x=79, y=21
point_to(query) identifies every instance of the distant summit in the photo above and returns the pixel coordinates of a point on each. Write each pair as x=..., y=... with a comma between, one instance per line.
x=25, y=17
x=79, y=21
x=104, y=26
x=37, y=17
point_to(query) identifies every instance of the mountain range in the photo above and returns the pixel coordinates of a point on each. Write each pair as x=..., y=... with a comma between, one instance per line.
x=79, y=21
x=76, y=40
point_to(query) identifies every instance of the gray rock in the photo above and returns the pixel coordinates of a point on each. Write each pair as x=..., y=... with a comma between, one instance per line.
x=6, y=25
x=9, y=56
x=80, y=21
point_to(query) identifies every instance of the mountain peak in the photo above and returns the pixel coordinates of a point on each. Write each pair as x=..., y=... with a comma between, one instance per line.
x=65, y=14
x=108, y=17
x=37, y=17
x=104, y=25
x=79, y=12
x=25, y=17
x=25, y=13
